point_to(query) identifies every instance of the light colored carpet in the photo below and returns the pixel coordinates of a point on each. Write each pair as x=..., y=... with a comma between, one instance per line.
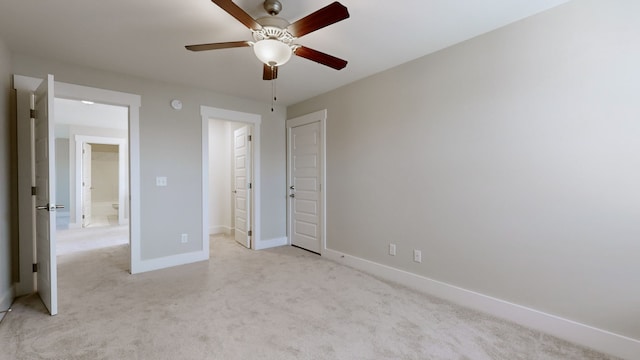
x=70, y=241
x=280, y=304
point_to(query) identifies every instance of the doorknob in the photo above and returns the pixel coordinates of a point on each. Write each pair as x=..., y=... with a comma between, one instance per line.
x=292, y=187
x=292, y=195
x=46, y=207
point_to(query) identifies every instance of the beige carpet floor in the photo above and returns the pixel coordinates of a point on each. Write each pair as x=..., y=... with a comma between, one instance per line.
x=96, y=237
x=280, y=304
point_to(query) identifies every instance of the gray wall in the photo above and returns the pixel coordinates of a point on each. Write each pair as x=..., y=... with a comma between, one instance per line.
x=219, y=176
x=511, y=160
x=170, y=146
x=6, y=180
x=62, y=173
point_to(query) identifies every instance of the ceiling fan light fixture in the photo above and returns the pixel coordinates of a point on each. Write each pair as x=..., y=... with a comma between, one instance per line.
x=272, y=52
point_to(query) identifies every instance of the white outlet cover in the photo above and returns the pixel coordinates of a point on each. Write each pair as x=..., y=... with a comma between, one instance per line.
x=161, y=181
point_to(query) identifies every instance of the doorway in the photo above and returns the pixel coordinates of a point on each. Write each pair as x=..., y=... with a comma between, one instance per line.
x=91, y=174
x=25, y=88
x=223, y=206
x=231, y=180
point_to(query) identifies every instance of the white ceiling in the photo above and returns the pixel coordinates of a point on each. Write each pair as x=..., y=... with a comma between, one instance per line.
x=147, y=38
x=74, y=112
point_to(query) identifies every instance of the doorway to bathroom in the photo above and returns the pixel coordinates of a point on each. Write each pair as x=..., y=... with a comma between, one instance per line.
x=102, y=181
x=92, y=179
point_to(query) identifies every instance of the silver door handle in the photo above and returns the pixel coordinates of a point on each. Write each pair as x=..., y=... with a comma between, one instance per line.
x=292, y=195
x=46, y=207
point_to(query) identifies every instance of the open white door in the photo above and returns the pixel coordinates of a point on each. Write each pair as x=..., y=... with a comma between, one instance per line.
x=86, y=184
x=242, y=183
x=44, y=146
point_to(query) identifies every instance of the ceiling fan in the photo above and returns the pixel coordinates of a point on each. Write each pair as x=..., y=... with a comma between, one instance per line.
x=274, y=37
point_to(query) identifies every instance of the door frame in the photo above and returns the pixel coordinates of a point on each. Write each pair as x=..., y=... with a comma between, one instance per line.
x=207, y=112
x=24, y=85
x=80, y=140
x=321, y=116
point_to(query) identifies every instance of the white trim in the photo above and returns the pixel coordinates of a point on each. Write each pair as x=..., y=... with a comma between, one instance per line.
x=321, y=116
x=26, y=83
x=103, y=96
x=220, y=229
x=229, y=115
x=585, y=335
x=79, y=140
x=271, y=243
x=169, y=261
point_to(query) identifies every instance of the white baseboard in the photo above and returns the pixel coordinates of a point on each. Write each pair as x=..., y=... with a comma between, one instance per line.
x=585, y=335
x=169, y=261
x=271, y=243
x=220, y=229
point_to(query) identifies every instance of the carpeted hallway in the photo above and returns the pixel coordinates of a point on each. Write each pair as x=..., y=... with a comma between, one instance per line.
x=280, y=304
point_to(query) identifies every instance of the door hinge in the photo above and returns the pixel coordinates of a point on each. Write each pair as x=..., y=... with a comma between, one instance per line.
x=249, y=137
x=34, y=191
x=249, y=233
x=249, y=185
x=32, y=113
x=34, y=267
x=83, y=217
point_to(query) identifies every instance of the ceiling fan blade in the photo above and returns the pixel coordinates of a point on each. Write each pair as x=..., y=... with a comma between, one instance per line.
x=326, y=16
x=269, y=73
x=216, y=46
x=320, y=57
x=240, y=15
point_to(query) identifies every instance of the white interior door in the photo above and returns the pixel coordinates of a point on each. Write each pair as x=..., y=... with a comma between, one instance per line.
x=47, y=280
x=242, y=185
x=86, y=184
x=304, y=186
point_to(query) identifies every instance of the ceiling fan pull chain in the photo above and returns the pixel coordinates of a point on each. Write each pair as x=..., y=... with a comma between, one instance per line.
x=273, y=91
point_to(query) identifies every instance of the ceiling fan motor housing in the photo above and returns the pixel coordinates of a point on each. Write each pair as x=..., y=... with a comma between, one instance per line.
x=273, y=7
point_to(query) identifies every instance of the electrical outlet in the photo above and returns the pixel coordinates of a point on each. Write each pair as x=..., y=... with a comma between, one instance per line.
x=184, y=238
x=161, y=181
x=392, y=249
x=417, y=256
